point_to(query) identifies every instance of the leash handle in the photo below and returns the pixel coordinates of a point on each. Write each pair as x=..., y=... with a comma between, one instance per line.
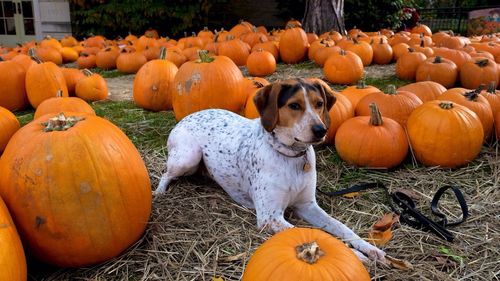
x=461, y=201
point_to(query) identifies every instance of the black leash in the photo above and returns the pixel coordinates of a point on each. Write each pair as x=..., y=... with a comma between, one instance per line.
x=405, y=207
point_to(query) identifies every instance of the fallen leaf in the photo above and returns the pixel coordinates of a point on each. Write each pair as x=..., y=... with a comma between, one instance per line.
x=447, y=252
x=397, y=263
x=234, y=258
x=381, y=231
x=217, y=279
x=351, y=195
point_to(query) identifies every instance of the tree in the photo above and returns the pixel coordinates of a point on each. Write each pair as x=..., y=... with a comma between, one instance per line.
x=324, y=15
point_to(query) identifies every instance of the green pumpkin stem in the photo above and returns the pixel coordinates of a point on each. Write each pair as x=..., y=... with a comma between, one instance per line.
x=375, y=115
x=309, y=252
x=472, y=95
x=163, y=53
x=204, y=57
x=446, y=105
x=361, y=84
x=32, y=54
x=391, y=90
x=61, y=123
x=492, y=88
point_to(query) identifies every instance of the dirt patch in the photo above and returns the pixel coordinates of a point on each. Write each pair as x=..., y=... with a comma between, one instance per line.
x=120, y=88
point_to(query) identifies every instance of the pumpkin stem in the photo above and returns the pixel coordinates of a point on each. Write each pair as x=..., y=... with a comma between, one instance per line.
x=491, y=88
x=422, y=43
x=437, y=59
x=381, y=40
x=391, y=90
x=342, y=52
x=32, y=54
x=482, y=63
x=59, y=93
x=163, y=53
x=411, y=50
x=361, y=84
x=204, y=57
x=309, y=252
x=87, y=72
x=375, y=115
x=61, y=122
x=472, y=95
x=446, y=105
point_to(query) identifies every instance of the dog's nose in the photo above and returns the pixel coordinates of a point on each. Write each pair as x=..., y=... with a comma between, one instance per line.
x=319, y=130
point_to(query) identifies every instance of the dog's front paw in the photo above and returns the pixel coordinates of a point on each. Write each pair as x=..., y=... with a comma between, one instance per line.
x=370, y=251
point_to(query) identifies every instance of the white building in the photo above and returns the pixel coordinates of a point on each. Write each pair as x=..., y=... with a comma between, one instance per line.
x=26, y=20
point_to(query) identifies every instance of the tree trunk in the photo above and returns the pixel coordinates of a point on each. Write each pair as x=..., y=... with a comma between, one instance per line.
x=324, y=15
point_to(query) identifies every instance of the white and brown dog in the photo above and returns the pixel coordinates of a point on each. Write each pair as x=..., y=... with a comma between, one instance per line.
x=268, y=163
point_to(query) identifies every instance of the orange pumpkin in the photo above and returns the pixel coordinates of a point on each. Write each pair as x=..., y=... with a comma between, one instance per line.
x=304, y=254
x=72, y=76
x=323, y=54
x=24, y=60
x=261, y=63
x=493, y=97
x=363, y=50
x=12, y=259
x=443, y=133
x=8, y=126
x=12, y=86
x=340, y=112
x=422, y=29
x=235, y=49
x=456, y=56
x=86, y=61
x=251, y=86
x=210, y=82
x=43, y=81
x=293, y=45
x=344, y=67
x=130, y=61
x=318, y=45
x=89, y=195
x=439, y=70
x=106, y=58
x=63, y=104
x=424, y=90
x=475, y=102
x=153, y=84
x=382, y=52
x=397, y=105
x=372, y=141
x=478, y=71
x=268, y=46
x=92, y=88
x=49, y=54
x=399, y=49
x=356, y=93
x=69, y=54
x=407, y=64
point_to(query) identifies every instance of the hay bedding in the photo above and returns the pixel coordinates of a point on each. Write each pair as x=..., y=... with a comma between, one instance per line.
x=197, y=232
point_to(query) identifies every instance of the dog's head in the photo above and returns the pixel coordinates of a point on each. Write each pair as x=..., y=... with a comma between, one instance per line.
x=296, y=110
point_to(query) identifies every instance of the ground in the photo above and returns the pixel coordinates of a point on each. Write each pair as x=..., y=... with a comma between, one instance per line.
x=197, y=232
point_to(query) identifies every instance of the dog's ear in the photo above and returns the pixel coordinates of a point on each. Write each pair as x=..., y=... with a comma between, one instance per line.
x=328, y=97
x=266, y=102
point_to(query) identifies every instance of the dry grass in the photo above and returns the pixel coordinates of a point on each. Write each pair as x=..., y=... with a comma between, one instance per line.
x=197, y=232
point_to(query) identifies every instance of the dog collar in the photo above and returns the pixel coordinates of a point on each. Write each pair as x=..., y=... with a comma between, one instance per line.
x=286, y=150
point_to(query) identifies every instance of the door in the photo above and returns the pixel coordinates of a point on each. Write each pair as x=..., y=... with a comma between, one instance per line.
x=17, y=22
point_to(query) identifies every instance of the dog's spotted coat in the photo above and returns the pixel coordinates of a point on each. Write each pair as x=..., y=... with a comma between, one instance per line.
x=269, y=163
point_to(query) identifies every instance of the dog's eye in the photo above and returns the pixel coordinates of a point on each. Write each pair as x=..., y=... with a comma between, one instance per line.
x=294, y=106
x=319, y=104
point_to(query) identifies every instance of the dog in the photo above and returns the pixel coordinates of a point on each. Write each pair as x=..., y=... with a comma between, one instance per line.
x=268, y=163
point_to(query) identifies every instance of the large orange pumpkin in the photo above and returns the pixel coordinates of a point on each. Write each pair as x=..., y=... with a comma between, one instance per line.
x=153, y=84
x=475, y=102
x=478, y=71
x=44, y=80
x=371, y=141
x=209, y=82
x=446, y=134
x=88, y=197
x=397, y=105
x=12, y=259
x=304, y=254
x=12, y=86
x=293, y=45
x=8, y=126
x=424, y=90
x=62, y=104
x=344, y=67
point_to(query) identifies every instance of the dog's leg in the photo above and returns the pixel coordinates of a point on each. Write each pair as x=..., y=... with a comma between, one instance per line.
x=270, y=214
x=184, y=156
x=313, y=214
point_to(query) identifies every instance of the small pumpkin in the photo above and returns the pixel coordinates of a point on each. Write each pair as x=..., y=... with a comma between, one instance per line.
x=340, y=112
x=251, y=86
x=293, y=45
x=92, y=88
x=72, y=76
x=493, y=97
x=372, y=141
x=478, y=71
x=89, y=195
x=106, y=58
x=261, y=63
x=424, y=90
x=86, y=61
x=63, y=104
x=153, y=84
x=303, y=254
x=382, y=52
x=8, y=126
x=407, y=64
x=235, y=49
x=356, y=93
x=69, y=54
x=363, y=50
x=343, y=67
x=446, y=134
x=399, y=49
x=130, y=61
x=12, y=259
x=437, y=69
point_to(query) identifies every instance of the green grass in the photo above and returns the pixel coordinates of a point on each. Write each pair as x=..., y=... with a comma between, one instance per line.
x=304, y=65
x=382, y=83
x=108, y=73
